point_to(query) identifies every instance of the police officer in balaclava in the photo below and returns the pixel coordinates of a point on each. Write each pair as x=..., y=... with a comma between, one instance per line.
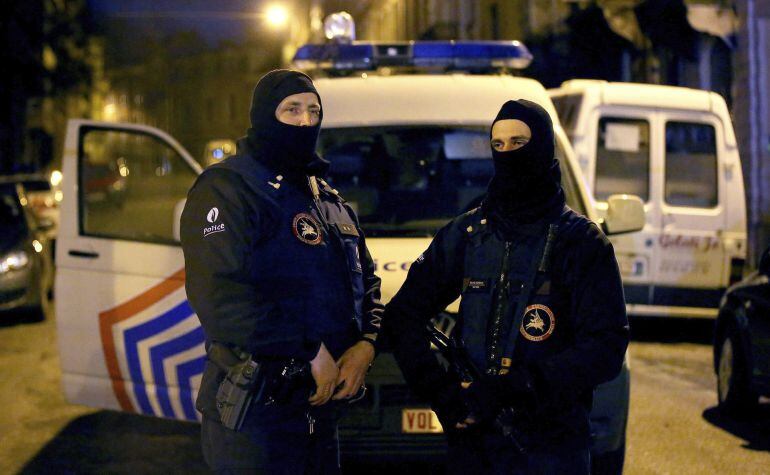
x=542, y=315
x=278, y=272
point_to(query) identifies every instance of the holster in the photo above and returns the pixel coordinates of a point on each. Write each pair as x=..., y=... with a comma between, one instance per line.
x=250, y=381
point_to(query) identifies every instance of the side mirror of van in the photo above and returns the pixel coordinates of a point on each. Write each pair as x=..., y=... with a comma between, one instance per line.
x=178, y=208
x=764, y=262
x=625, y=214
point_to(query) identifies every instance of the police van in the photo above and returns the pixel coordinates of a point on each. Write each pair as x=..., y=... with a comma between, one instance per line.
x=408, y=152
x=675, y=148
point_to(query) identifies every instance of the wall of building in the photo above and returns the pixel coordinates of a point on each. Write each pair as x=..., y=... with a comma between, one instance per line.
x=751, y=114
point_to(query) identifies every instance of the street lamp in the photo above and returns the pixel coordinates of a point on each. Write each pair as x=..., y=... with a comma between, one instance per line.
x=277, y=16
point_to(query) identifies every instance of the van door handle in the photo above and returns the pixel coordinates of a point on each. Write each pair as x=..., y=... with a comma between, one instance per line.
x=83, y=254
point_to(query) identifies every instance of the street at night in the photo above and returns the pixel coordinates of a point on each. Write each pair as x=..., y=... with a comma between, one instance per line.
x=674, y=424
x=219, y=219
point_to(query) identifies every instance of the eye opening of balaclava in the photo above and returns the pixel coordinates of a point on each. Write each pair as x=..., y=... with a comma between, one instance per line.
x=527, y=181
x=288, y=149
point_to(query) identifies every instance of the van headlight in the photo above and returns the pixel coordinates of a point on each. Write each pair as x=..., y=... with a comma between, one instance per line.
x=13, y=261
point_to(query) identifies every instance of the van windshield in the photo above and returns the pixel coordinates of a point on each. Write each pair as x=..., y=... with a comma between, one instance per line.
x=408, y=181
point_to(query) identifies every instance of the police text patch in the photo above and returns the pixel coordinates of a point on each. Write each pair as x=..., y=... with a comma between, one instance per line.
x=212, y=217
x=217, y=228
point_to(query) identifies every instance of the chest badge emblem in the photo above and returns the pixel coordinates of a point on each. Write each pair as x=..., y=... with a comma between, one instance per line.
x=307, y=229
x=538, y=323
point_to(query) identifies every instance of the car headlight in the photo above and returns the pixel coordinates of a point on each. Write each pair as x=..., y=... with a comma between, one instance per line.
x=13, y=261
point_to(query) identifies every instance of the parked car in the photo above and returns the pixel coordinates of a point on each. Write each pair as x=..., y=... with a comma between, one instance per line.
x=105, y=182
x=44, y=195
x=742, y=342
x=26, y=268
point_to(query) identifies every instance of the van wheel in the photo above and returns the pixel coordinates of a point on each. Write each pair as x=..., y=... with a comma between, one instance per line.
x=734, y=375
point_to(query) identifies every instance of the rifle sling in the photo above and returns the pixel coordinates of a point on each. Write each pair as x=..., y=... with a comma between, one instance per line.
x=540, y=263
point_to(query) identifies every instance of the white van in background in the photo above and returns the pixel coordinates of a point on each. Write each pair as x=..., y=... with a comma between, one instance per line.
x=675, y=148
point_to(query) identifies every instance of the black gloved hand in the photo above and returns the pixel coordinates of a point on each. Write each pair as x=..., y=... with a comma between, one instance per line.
x=516, y=388
x=449, y=405
x=484, y=400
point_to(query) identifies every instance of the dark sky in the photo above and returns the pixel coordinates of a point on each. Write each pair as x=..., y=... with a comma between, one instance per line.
x=215, y=21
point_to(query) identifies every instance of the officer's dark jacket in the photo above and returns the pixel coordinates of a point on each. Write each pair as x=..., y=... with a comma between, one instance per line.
x=267, y=274
x=570, y=352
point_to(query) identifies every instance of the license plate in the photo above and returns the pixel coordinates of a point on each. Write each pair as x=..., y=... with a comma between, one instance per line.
x=420, y=421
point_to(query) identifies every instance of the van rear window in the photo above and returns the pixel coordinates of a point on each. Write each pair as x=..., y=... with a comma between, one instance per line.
x=411, y=180
x=622, y=158
x=691, y=165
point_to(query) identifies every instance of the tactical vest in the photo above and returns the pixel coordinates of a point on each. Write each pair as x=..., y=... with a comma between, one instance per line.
x=308, y=260
x=494, y=278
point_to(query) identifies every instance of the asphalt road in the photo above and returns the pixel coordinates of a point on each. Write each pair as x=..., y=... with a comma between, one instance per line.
x=674, y=426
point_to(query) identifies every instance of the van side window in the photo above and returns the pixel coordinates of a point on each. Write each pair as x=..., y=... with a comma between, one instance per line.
x=130, y=183
x=622, y=158
x=691, y=165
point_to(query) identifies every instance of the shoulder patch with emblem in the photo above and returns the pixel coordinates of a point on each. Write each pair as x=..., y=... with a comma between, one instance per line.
x=538, y=323
x=212, y=216
x=307, y=229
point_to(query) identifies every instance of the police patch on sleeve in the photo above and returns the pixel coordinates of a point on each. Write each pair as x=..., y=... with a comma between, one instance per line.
x=538, y=323
x=307, y=229
x=212, y=217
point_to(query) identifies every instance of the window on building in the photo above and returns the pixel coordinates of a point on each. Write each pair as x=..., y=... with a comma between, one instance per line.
x=691, y=165
x=622, y=158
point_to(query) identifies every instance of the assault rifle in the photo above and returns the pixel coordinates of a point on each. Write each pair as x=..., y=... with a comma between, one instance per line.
x=461, y=365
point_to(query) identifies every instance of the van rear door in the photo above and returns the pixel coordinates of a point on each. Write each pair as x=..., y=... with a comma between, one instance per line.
x=672, y=160
x=127, y=335
x=693, y=195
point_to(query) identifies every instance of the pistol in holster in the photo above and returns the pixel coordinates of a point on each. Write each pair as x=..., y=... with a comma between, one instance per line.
x=251, y=381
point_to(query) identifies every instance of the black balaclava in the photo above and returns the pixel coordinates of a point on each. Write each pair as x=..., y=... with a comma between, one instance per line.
x=287, y=149
x=527, y=182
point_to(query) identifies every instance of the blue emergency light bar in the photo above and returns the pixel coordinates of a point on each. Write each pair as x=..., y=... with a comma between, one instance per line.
x=462, y=55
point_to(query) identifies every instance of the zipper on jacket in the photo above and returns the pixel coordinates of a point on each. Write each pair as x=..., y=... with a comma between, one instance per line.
x=494, y=332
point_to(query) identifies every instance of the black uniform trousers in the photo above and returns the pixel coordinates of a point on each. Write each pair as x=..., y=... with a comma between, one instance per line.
x=476, y=451
x=275, y=440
